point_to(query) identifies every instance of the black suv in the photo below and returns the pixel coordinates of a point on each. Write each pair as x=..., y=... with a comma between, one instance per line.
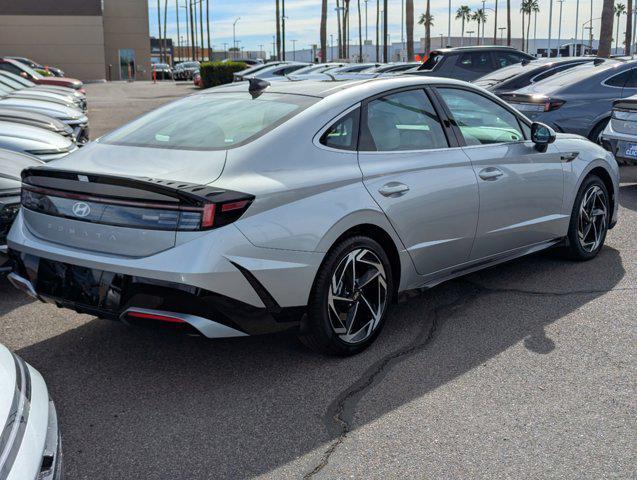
x=469, y=63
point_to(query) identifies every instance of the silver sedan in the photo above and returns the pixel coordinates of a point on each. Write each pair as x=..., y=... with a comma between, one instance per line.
x=253, y=208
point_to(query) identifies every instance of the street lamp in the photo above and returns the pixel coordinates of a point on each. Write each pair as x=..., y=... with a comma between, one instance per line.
x=441, y=37
x=294, y=50
x=234, y=36
x=331, y=47
x=559, y=30
x=502, y=29
x=366, y=1
x=548, y=51
x=470, y=32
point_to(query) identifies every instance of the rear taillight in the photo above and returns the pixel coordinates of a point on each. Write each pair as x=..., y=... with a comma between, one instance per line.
x=136, y=214
x=553, y=104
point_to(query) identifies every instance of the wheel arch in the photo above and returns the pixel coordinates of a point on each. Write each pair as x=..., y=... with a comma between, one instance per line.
x=378, y=228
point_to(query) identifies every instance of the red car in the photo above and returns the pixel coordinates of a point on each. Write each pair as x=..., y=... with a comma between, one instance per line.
x=27, y=72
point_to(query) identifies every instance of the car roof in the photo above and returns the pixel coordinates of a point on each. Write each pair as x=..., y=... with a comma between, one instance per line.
x=473, y=48
x=325, y=88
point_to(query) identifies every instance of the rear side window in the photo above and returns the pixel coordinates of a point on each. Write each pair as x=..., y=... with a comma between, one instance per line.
x=475, y=61
x=618, y=80
x=402, y=121
x=343, y=135
x=632, y=79
x=431, y=61
x=7, y=67
x=211, y=121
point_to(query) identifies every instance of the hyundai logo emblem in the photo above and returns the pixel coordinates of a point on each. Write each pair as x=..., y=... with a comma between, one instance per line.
x=81, y=209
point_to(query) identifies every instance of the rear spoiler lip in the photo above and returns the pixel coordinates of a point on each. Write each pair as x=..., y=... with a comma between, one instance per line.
x=184, y=192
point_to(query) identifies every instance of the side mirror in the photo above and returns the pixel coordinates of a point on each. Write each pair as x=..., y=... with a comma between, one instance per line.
x=542, y=135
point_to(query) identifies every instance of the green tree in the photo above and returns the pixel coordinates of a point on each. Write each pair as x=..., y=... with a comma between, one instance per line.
x=464, y=15
x=480, y=18
x=620, y=9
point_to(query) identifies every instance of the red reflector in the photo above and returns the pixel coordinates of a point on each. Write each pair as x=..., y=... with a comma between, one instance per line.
x=208, y=218
x=153, y=316
x=227, y=207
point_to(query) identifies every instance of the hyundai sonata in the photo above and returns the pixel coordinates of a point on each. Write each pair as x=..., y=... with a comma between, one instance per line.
x=252, y=208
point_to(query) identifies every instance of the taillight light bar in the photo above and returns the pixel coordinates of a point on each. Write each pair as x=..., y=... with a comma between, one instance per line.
x=134, y=213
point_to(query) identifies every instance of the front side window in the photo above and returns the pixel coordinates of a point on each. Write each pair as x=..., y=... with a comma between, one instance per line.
x=343, y=135
x=481, y=120
x=402, y=121
x=504, y=59
x=211, y=121
x=475, y=61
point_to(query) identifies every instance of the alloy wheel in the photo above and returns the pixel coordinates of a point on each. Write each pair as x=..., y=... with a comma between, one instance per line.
x=357, y=296
x=592, y=219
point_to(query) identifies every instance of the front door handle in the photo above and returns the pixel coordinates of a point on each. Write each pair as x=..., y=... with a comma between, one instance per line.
x=490, y=173
x=393, y=189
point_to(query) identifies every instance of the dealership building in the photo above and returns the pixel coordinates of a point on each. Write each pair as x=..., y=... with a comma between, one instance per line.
x=88, y=39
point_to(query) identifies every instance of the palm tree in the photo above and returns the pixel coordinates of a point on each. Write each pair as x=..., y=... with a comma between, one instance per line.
x=360, y=34
x=161, y=52
x=606, y=29
x=324, y=31
x=464, y=15
x=409, y=24
x=165, y=44
x=377, y=31
x=385, y=39
x=340, y=30
x=207, y=29
x=495, y=20
x=629, y=27
x=524, y=9
x=278, y=30
x=534, y=7
x=509, y=23
x=427, y=19
x=192, y=30
x=619, y=10
x=480, y=17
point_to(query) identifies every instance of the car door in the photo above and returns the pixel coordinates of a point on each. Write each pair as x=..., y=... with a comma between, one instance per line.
x=521, y=188
x=427, y=190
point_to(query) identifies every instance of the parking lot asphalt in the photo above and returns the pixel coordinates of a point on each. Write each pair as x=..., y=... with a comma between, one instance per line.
x=525, y=370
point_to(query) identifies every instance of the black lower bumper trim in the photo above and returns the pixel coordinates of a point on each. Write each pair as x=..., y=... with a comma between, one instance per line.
x=107, y=295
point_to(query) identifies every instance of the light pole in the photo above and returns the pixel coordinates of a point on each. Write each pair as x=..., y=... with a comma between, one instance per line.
x=548, y=51
x=402, y=26
x=449, y=26
x=470, y=32
x=590, y=29
x=234, y=37
x=331, y=47
x=576, y=25
x=441, y=38
x=185, y=7
x=535, y=32
x=483, y=11
x=502, y=29
x=366, y=37
x=559, y=30
x=293, y=50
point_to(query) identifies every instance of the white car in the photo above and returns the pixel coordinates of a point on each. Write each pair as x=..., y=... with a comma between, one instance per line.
x=30, y=446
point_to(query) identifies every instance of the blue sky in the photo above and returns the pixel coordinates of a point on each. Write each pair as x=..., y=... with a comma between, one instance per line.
x=258, y=18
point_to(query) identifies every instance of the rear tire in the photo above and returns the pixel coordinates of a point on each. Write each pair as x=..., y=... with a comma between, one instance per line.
x=597, y=131
x=349, y=299
x=589, y=220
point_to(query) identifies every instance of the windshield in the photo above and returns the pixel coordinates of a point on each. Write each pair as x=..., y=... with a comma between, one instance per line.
x=161, y=65
x=26, y=68
x=210, y=121
x=17, y=78
x=189, y=65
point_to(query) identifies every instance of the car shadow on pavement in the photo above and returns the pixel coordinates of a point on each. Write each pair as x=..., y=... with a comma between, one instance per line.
x=628, y=196
x=11, y=297
x=148, y=404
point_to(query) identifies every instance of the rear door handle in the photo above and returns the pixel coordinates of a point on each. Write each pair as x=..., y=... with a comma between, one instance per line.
x=490, y=173
x=393, y=189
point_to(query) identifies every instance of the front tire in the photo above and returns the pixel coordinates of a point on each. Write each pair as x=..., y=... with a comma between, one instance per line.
x=349, y=299
x=589, y=220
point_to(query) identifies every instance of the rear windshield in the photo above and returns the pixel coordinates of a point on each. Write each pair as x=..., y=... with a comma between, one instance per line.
x=212, y=121
x=431, y=61
x=581, y=72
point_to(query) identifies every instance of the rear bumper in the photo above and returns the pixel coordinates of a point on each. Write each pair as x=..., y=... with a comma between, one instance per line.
x=610, y=141
x=218, y=276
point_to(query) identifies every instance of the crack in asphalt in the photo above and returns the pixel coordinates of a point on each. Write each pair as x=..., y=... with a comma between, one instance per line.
x=340, y=413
